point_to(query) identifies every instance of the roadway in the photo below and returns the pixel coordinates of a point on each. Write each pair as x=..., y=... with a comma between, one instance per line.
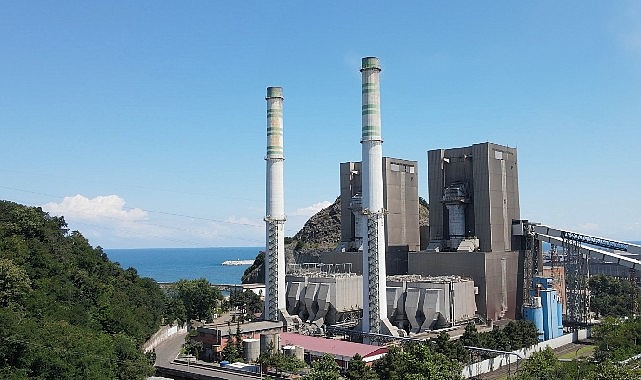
x=168, y=366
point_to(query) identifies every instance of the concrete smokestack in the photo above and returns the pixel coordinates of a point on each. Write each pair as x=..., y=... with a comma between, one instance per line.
x=275, y=209
x=372, y=220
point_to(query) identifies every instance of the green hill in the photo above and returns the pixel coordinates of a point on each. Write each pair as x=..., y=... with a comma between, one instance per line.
x=66, y=311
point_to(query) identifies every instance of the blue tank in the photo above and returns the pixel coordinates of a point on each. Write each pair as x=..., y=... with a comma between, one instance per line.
x=535, y=315
x=549, y=313
x=559, y=313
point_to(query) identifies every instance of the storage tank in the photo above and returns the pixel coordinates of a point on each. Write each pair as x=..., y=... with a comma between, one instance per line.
x=251, y=350
x=549, y=313
x=534, y=313
x=297, y=351
x=559, y=317
x=267, y=340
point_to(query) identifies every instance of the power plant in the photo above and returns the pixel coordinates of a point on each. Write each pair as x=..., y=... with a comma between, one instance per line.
x=387, y=277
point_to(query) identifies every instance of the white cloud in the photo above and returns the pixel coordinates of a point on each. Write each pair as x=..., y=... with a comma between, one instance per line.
x=106, y=221
x=311, y=210
x=101, y=207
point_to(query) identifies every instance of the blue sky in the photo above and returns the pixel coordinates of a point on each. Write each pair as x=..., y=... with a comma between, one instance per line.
x=143, y=123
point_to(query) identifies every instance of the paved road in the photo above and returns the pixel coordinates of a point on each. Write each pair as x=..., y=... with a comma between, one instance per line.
x=167, y=365
x=167, y=351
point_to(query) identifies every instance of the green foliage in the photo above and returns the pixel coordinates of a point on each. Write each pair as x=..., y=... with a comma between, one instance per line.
x=617, y=339
x=416, y=361
x=247, y=302
x=358, y=370
x=611, y=371
x=324, y=368
x=610, y=296
x=521, y=334
x=233, y=351
x=66, y=311
x=277, y=360
x=198, y=297
x=14, y=284
x=250, y=274
x=452, y=349
x=515, y=335
x=542, y=365
x=192, y=347
x=175, y=311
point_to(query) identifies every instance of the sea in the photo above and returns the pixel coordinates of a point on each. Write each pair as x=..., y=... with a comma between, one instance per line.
x=173, y=264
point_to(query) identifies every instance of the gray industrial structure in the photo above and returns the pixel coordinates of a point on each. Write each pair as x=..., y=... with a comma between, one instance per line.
x=473, y=194
x=400, y=201
x=414, y=303
x=473, y=197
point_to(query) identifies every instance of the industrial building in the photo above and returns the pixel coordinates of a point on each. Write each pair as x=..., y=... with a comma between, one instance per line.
x=473, y=193
x=400, y=201
x=473, y=197
x=481, y=258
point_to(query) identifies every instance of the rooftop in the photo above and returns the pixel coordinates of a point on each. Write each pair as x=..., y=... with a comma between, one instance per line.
x=338, y=348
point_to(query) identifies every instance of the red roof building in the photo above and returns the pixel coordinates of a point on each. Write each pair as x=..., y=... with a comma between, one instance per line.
x=341, y=350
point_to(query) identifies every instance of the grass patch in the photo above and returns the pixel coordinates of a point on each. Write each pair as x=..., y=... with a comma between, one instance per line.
x=582, y=352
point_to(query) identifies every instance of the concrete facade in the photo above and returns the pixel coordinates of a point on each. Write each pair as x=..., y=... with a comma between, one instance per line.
x=489, y=174
x=400, y=199
x=495, y=275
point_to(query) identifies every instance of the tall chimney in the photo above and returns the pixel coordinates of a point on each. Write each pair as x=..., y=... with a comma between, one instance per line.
x=275, y=209
x=373, y=224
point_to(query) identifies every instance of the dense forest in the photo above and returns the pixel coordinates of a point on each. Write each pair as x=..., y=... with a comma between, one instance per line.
x=67, y=312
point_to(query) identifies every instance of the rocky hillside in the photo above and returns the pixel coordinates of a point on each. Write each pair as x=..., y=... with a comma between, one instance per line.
x=322, y=232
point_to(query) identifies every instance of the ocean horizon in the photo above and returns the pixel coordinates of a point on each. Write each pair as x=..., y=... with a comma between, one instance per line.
x=173, y=264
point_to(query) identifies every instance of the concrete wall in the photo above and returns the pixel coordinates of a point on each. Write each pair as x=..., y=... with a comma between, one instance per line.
x=350, y=181
x=400, y=194
x=164, y=333
x=495, y=275
x=488, y=365
x=400, y=199
x=491, y=174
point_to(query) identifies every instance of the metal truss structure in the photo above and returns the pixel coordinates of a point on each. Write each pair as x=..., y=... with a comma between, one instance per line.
x=273, y=228
x=373, y=220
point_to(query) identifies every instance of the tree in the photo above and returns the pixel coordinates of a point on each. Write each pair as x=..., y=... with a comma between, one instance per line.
x=451, y=349
x=324, y=368
x=66, y=311
x=279, y=361
x=617, y=339
x=175, y=311
x=358, y=370
x=521, y=334
x=542, y=365
x=231, y=352
x=610, y=296
x=14, y=283
x=611, y=371
x=471, y=336
x=192, y=347
x=416, y=361
x=199, y=297
x=246, y=301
